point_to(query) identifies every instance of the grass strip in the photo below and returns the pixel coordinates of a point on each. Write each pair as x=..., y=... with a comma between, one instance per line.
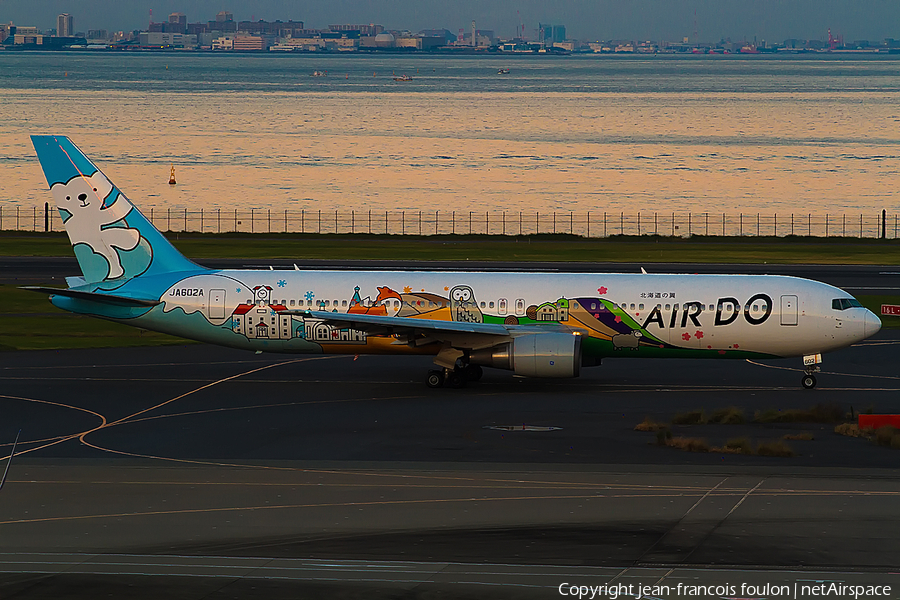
x=544, y=247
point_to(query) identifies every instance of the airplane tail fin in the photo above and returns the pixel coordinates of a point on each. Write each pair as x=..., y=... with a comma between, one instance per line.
x=112, y=240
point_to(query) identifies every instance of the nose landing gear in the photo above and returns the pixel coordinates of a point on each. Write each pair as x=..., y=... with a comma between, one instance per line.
x=811, y=364
x=808, y=381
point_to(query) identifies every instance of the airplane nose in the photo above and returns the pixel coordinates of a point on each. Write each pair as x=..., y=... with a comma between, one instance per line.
x=873, y=323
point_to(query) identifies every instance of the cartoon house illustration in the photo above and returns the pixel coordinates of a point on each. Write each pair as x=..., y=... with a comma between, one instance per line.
x=317, y=331
x=554, y=311
x=262, y=320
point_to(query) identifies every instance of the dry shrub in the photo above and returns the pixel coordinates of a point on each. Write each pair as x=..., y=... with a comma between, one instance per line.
x=740, y=445
x=689, y=444
x=849, y=429
x=776, y=448
x=805, y=436
x=649, y=424
x=884, y=435
x=694, y=417
x=728, y=416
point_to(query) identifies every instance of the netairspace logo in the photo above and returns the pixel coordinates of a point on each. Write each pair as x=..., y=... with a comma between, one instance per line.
x=799, y=591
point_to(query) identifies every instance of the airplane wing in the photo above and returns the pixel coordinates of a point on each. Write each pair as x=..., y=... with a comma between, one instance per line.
x=375, y=324
x=453, y=336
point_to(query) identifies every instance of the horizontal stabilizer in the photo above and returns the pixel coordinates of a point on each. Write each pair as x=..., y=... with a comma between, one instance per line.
x=93, y=296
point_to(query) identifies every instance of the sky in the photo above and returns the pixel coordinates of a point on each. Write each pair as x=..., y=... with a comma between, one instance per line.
x=771, y=20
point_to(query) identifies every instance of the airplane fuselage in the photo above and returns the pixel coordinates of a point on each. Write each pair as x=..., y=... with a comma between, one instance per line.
x=644, y=315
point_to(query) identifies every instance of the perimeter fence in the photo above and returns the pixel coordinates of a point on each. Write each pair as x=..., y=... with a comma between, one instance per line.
x=586, y=224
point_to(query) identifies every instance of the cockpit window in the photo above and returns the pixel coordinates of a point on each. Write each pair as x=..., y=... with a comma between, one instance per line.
x=845, y=303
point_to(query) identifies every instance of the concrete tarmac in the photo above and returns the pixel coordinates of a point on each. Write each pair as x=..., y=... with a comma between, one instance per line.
x=202, y=472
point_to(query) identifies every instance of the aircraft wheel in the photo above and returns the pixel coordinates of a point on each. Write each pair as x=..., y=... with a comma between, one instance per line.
x=808, y=382
x=456, y=379
x=474, y=372
x=435, y=379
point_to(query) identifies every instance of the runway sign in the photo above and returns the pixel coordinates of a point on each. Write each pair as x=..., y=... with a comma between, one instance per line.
x=890, y=310
x=876, y=421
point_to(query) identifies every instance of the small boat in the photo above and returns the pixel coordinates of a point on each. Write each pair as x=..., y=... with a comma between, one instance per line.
x=503, y=72
x=319, y=74
x=403, y=78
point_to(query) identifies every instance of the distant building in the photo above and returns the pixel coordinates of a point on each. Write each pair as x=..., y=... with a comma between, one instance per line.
x=6, y=31
x=65, y=25
x=45, y=41
x=483, y=38
x=224, y=22
x=275, y=28
x=97, y=35
x=158, y=39
x=226, y=42
x=548, y=35
x=446, y=35
x=177, y=23
x=370, y=30
x=245, y=43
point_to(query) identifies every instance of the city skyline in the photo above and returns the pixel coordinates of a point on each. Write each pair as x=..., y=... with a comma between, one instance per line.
x=673, y=20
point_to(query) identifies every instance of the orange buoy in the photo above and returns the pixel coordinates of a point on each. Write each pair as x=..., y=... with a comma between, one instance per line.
x=172, y=176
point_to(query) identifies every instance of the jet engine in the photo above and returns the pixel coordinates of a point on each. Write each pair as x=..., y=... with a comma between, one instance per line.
x=535, y=355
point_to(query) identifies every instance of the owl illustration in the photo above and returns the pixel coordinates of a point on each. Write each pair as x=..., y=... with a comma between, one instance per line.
x=463, y=306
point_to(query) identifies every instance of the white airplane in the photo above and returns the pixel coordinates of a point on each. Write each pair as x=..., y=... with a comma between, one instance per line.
x=535, y=324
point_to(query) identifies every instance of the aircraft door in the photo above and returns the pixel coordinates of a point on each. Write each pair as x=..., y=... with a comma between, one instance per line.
x=216, y=304
x=789, y=310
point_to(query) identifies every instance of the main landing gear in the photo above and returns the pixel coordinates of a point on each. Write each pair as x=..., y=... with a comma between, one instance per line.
x=810, y=366
x=453, y=378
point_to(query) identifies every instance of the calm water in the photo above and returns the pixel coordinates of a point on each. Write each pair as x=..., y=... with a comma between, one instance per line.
x=571, y=133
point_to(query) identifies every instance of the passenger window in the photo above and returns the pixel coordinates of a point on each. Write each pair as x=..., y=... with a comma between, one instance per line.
x=343, y=303
x=501, y=305
x=676, y=307
x=491, y=305
x=640, y=307
x=668, y=307
x=520, y=306
x=292, y=302
x=327, y=303
x=482, y=304
x=632, y=306
x=574, y=305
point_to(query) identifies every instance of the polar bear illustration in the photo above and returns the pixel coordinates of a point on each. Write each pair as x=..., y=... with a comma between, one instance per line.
x=80, y=201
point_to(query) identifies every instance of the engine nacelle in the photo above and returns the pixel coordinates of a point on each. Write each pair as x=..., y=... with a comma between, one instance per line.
x=535, y=355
